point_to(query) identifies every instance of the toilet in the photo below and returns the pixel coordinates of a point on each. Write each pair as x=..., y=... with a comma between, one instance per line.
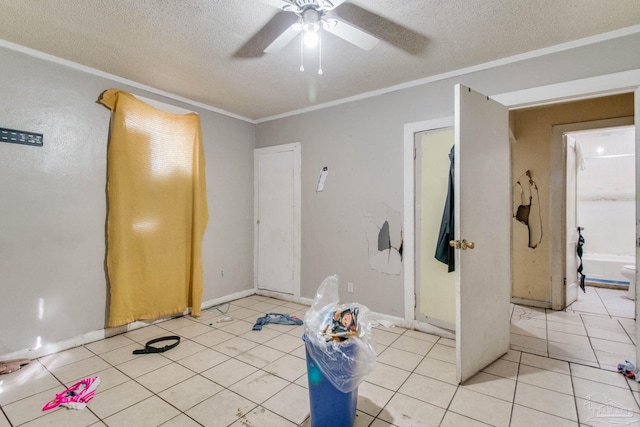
x=629, y=272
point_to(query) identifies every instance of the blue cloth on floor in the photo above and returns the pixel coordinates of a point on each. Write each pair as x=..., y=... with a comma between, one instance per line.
x=282, y=319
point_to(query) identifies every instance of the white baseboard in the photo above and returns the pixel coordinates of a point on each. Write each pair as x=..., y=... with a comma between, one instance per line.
x=89, y=337
x=434, y=329
x=306, y=301
x=415, y=324
x=277, y=295
x=78, y=340
x=217, y=301
x=386, y=318
x=530, y=302
x=400, y=322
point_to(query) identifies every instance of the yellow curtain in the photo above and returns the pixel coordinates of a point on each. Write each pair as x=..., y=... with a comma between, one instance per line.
x=157, y=210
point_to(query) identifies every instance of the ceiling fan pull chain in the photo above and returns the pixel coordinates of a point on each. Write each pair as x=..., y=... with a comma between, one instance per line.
x=301, y=53
x=319, y=52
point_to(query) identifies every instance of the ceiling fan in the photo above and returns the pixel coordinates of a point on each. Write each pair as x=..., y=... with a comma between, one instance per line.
x=313, y=16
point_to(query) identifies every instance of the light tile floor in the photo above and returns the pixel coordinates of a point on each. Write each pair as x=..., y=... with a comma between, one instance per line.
x=225, y=374
x=598, y=330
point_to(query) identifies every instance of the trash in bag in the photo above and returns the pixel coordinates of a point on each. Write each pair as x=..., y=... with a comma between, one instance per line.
x=344, y=324
x=338, y=337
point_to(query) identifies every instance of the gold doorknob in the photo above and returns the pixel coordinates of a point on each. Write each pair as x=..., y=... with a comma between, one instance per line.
x=461, y=245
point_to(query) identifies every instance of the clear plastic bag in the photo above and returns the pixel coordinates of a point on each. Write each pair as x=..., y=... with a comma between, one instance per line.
x=338, y=337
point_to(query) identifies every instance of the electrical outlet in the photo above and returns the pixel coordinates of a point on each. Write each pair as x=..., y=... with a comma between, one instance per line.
x=350, y=287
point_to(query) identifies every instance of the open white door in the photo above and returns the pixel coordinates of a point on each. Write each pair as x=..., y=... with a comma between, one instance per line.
x=482, y=230
x=571, y=223
x=277, y=219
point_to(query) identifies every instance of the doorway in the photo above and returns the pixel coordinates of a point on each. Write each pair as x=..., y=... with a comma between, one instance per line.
x=481, y=237
x=435, y=285
x=526, y=98
x=277, y=236
x=565, y=169
x=606, y=194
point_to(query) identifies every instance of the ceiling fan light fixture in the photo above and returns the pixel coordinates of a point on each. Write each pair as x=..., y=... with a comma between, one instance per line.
x=310, y=27
x=311, y=20
x=310, y=39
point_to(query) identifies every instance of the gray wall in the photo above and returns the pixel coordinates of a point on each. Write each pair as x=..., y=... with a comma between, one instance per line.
x=53, y=210
x=52, y=199
x=362, y=145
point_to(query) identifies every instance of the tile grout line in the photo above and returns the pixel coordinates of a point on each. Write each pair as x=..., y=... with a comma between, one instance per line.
x=515, y=389
x=602, y=302
x=6, y=416
x=584, y=324
x=573, y=390
x=546, y=331
x=625, y=331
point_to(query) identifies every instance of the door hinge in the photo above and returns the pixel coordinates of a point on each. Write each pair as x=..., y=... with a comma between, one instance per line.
x=414, y=152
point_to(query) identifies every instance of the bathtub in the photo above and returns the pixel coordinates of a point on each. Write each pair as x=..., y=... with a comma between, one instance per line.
x=605, y=268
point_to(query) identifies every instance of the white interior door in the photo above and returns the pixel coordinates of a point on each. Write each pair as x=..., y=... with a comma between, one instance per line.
x=277, y=219
x=571, y=223
x=483, y=219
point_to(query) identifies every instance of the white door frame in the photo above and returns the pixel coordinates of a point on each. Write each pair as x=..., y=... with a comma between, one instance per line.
x=295, y=147
x=571, y=227
x=408, y=252
x=622, y=82
x=420, y=150
x=636, y=111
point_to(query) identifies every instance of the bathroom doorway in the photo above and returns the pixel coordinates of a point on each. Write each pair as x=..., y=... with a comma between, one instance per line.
x=605, y=201
x=584, y=195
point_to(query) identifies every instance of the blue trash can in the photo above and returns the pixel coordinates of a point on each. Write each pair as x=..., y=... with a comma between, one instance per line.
x=329, y=406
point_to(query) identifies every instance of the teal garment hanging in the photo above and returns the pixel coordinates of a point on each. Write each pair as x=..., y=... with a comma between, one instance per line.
x=444, y=252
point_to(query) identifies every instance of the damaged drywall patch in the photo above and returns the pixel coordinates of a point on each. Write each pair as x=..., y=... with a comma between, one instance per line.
x=527, y=207
x=384, y=240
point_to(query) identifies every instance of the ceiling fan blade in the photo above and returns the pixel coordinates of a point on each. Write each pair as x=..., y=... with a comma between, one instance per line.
x=284, y=39
x=395, y=34
x=255, y=46
x=351, y=34
x=334, y=3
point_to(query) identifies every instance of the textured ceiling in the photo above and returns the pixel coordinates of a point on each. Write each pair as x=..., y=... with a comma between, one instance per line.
x=211, y=50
